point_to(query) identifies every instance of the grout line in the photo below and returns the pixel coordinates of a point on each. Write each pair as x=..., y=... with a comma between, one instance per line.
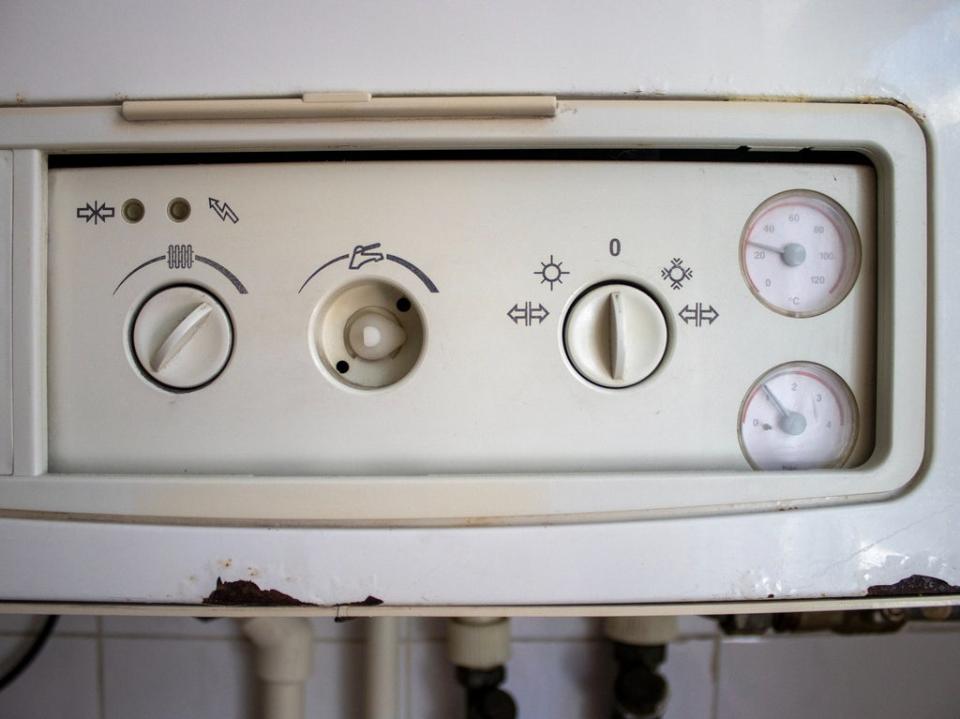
x=715, y=676
x=101, y=689
x=407, y=675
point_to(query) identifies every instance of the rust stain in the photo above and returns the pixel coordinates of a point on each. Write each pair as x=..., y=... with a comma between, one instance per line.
x=242, y=593
x=370, y=601
x=916, y=585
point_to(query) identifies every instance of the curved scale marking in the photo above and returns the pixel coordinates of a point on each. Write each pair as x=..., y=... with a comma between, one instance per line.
x=317, y=271
x=223, y=271
x=137, y=269
x=415, y=270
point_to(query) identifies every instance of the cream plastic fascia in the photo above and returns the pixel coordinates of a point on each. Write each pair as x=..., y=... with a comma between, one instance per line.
x=343, y=106
x=887, y=135
x=6, y=360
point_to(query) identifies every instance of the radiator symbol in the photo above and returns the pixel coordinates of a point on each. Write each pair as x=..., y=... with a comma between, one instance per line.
x=180, y=257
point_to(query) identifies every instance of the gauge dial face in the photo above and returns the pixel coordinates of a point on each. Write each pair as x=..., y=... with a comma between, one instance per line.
x=800, y=253
x=798, y=416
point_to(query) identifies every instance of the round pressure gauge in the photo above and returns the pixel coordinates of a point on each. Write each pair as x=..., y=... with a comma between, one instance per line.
x=799, y=415
x=800, y=253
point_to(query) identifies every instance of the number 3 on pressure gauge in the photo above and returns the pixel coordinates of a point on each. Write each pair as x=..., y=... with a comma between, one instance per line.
x=800, y=253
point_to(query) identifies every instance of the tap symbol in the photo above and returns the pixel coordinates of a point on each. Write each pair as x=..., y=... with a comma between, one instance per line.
x=364, y=254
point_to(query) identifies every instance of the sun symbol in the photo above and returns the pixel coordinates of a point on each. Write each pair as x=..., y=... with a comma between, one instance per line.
x=551, y=272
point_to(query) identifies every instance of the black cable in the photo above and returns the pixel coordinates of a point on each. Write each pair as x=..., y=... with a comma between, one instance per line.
x=32, y=651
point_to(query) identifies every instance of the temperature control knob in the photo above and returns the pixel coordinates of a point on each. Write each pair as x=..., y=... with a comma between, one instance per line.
x=182, y=338
x=615, y=335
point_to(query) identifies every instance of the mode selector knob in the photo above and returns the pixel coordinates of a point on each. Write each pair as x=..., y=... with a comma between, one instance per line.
x=615, y=335
x=182, y=338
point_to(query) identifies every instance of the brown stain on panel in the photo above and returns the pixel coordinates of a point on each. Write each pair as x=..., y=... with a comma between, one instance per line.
x=370, y=601
x=916, y=585
x=242, y=593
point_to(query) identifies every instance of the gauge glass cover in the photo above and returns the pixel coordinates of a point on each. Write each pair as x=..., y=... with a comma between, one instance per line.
x=799, y=415
x=800, y=253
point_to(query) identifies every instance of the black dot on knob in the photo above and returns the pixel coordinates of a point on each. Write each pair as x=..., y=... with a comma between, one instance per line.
x=403, y=304
x=343, y=367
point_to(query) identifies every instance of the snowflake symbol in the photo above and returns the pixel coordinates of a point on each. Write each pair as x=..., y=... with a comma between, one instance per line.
x=676, y=274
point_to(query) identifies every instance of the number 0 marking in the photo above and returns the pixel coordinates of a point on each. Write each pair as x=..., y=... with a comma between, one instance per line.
x=614, y=247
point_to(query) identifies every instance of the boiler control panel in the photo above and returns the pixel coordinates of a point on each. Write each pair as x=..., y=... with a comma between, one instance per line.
x=605, y=310
x=427, y=317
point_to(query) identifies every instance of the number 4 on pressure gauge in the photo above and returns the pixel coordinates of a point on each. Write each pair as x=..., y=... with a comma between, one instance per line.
x=800, y=253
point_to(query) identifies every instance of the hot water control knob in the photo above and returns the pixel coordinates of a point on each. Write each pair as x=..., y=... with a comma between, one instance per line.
x=368, y=335
x=615, y=335
x=182, y=338
x=374, y=334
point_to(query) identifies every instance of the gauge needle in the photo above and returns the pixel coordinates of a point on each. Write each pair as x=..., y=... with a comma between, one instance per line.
x=790, y=422
x=768, y=248
x=792, y=254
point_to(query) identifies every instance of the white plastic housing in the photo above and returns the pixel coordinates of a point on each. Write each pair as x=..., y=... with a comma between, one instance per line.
x=493, y=424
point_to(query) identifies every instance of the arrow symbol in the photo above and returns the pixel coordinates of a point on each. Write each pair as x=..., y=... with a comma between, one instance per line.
x=223, y=210
x=698, y=315
x=518, y=313
x=688, y=314
x=709, y=314
x=539, y=313
x=527, y=313
x=97, y=212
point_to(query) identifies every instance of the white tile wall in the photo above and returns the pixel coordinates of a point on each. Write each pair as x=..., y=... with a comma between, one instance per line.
x=186, y=678
x=881, y=677
x=62, y=682
x=159, y=668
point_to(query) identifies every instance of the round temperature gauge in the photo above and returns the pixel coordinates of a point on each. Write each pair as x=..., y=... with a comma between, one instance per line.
x=800, y=253
x=799, y=415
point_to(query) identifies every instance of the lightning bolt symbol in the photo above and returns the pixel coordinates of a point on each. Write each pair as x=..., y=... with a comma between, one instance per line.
x=223, y=210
